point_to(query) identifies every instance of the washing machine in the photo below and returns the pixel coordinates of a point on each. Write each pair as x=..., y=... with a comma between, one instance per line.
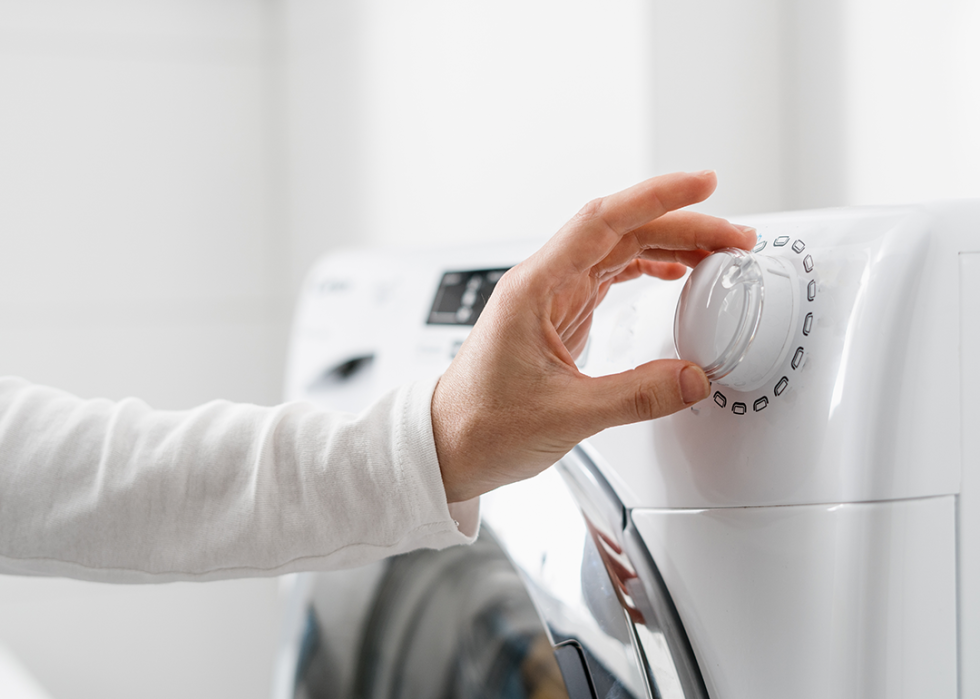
x=809, y=530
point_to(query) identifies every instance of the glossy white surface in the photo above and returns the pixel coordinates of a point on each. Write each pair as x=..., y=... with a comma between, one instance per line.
x=968, y=510
x=853, y=600
x=868, y=401
x=15, y=681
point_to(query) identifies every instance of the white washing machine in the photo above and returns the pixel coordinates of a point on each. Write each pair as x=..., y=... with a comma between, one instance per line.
x=810, y=530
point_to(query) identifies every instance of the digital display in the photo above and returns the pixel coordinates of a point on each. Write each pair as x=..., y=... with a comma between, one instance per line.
x=462, y=296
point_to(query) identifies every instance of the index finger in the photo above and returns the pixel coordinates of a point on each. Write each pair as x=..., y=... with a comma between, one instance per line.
x=689, y=230
x=678, y=236
x=592, y=234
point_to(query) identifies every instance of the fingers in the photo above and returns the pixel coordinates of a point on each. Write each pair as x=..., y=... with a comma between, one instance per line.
x=663, y=270
x=689, y=230
x=688, y=258
x=650, y=391
x=680, y=236
x=598, y=228
x=644, y=202
x=652, y=268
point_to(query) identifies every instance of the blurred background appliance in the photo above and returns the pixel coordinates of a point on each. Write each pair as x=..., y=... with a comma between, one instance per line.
x=437, y=624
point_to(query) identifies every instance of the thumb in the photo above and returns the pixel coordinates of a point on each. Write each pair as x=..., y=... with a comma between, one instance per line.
x=649, y=391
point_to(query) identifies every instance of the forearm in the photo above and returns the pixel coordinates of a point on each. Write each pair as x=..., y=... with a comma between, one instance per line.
x=121, y=492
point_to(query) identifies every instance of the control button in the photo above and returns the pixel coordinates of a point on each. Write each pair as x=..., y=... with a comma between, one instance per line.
x=797, y=358
x=760, y=404
x=758, y=246
x=720, y=399
x=808, y=263
x=738, y=408
x=811, y=290
x=798, y=246
x=807, y=323
x=781, y=241
x=472, y=287
x=781, y=386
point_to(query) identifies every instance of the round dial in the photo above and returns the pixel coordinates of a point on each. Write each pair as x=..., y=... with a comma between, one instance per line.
x=736, y=315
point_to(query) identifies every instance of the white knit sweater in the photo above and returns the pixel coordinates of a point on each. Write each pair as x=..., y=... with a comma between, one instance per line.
x=119, y=492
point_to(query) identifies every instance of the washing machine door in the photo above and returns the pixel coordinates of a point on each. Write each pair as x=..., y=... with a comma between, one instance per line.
x=609, y=615
x=456, y=623
x=451, y=624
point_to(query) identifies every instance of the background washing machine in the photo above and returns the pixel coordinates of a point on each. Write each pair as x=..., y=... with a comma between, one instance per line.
x=453, y=623
x=808, y=530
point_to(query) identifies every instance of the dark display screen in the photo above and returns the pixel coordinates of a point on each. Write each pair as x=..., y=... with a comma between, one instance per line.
x=462, y=296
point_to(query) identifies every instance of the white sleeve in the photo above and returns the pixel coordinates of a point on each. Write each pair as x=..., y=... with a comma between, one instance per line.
x=119, y=492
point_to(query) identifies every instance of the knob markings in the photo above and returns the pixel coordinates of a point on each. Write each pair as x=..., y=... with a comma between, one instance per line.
x=797, y=358
x=761, y=403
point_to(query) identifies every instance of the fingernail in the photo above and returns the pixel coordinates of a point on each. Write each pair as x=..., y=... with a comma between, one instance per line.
x=694, y=385
x=703, y=173
x=745, y=229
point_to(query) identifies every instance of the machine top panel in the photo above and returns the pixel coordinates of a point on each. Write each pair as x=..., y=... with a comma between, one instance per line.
x=861, y=405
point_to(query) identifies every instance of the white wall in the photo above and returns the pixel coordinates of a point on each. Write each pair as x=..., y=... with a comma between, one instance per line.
x=136, y=218
x=440, y=121
x=912, y=100
x=437, y=122
x=138, y=256
x=718, y=90
x=800, y=104
x=508, y=116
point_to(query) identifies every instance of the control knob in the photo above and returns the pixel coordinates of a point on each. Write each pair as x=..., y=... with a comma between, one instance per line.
x=736, y=315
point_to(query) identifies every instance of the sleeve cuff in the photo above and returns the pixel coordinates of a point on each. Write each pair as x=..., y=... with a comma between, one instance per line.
x=455, y=523
x=466, y=515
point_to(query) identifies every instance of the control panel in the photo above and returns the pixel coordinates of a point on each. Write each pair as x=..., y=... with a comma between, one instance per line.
x=462, y=296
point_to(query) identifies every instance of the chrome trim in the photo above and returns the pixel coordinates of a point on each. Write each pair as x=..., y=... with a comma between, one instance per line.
x=671, y=669
x=666, y=649
x=540, y=527
x=593, y=581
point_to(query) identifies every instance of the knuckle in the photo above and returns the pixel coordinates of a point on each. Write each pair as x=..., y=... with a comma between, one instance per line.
x=591, y=210
x=597, y=213
x=646, y=404
x=513, y=292
x=512, y=282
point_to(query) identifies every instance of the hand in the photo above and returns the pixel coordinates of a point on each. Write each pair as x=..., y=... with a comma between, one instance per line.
x=513, y=402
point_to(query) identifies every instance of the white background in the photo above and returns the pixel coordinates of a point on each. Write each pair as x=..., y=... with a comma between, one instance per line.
x=170, y=168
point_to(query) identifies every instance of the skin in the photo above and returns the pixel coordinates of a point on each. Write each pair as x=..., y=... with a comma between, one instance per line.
x=513, y=402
